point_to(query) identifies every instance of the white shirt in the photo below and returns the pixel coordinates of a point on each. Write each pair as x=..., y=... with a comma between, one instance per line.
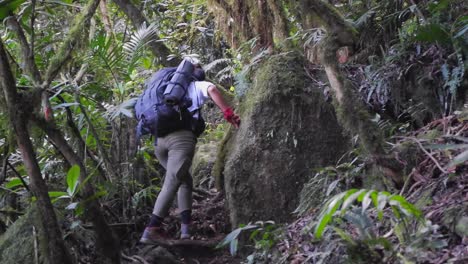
x=198, y=92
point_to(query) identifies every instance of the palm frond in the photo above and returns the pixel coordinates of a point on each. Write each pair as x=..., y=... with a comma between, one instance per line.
x=139, y=39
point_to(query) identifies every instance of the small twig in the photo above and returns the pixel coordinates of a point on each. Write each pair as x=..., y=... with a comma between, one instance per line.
x=142, y=260
x=19, y=176
x=407, y=181
x=428, y=154
x=127, y=257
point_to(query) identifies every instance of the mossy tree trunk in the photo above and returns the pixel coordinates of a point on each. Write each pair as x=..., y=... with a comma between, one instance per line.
x=23, y=111
x=351, y=111
x=243, y=20
x=17, y=111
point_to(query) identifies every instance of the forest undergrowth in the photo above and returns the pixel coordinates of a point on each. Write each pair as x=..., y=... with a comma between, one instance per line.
x=435, y=185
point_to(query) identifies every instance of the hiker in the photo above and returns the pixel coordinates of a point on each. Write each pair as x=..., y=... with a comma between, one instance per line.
x=175, y=151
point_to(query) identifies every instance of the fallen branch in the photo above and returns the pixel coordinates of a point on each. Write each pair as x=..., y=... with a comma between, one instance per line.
x=428, y=154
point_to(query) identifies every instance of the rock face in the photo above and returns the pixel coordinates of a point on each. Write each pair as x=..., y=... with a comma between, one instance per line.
x=287, y=130
x=17, y=244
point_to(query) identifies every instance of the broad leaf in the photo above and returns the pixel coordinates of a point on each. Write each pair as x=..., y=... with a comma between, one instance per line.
x=8, y=6
x=433, y=33
x=72, y=179
x=13, y=183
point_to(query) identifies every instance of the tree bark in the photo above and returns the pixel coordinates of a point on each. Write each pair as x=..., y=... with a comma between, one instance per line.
x=159, y=50
x=74, y=37
x=351, y=111
x=57, y=252
x=30, y=66
x=106, y=242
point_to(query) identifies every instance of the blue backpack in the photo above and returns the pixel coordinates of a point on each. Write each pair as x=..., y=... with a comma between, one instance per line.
x=163, y=106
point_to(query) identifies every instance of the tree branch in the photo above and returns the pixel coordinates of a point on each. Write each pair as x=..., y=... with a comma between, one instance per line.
x=30, y=66
x=74, y=37
x=19, y=176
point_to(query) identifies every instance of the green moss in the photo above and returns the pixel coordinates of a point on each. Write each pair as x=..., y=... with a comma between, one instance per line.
x=276, y=70
x=355, y=118
x=204, y=155
x=17, y=243
x=218, y=167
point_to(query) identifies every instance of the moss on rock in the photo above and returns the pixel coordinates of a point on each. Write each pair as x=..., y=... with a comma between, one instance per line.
x=287, y=130
x=17, y=243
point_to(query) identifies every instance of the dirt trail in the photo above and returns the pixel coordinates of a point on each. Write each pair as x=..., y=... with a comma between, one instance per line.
x=209, y=226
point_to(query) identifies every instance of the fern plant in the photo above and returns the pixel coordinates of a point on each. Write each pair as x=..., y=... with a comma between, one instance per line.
x=261, y=229
x=341, y=203
x=134, y=47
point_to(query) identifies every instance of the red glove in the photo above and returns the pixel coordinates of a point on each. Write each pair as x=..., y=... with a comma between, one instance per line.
x=231, y=117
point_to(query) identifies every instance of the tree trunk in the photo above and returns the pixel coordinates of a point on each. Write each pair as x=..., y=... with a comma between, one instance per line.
x=243, y=20
x=106, y=242
x=351, y=111
x=57, y=252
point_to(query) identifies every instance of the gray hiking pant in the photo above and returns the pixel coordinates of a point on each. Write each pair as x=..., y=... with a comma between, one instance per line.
x=175, y=152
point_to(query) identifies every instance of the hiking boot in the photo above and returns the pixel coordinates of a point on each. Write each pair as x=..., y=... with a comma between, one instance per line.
x=153, y=235
x=184, y=231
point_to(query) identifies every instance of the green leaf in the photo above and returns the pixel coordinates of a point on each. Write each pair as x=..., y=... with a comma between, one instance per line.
x=8, y=6
x=332, y=205
x=57, y=194
x=409, y=207
x=437, y=6
x=367, y=200
x=13, y=183
x=72, y=179
x=432, y=33
x=351, y=199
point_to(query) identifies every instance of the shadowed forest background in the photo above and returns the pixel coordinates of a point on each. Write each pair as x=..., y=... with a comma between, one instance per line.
x=353, y=146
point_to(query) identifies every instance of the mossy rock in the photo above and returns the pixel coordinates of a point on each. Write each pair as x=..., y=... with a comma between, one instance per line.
x=287, y=131
x=17, y=243
x=203, y=160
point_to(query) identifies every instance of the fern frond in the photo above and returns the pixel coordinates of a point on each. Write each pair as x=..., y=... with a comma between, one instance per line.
x=226, y=70
x=139, y=39
x=215, y=63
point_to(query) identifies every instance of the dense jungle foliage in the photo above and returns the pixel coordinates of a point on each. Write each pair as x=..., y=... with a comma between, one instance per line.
x=75, y=187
